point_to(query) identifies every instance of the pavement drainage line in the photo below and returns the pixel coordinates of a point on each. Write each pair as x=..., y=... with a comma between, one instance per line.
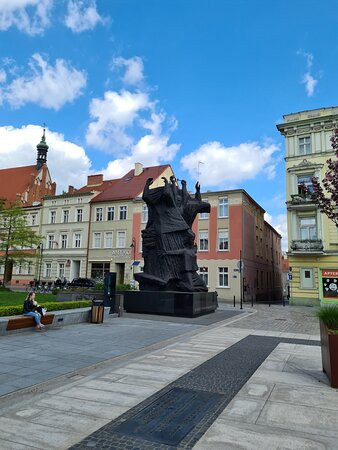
x=117, y=361
x=164, y=422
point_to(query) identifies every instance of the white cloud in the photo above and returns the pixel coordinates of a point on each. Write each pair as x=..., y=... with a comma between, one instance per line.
x=226, y=166
x=46, y=85
x=279, y=222
x=29, y=16
x=3, y=76
x=307, y=79
x=82, y=16
x=19, y=145
x=112, y=116
x=134, y=69
x=310, y=83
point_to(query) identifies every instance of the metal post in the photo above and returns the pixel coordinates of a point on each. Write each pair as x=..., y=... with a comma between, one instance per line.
x=241, y=277
x=234, y=301
x=252, y=301
x=40, y=265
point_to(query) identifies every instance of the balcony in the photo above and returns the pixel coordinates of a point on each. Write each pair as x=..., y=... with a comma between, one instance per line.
x=307, y=246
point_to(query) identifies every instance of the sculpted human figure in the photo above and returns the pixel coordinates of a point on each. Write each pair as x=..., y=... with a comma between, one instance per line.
x=170, y=261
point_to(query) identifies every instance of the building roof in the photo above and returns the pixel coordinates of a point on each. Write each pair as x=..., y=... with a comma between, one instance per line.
x=15, y=181
x=130, y=185
x=102, y=187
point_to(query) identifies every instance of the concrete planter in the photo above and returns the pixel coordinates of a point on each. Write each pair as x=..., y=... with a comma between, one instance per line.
x=329, y=344
x=69, y=296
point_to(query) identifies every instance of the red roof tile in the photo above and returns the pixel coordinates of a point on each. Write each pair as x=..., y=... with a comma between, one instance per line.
x=15, y=181
x=129, y=186
x=106, y=184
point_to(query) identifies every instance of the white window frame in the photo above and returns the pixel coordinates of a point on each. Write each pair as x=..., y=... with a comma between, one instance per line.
x=99, y=214
x=108, y=243
x=50, y=241
x=223, y=204
x=204, y=215
x=63, y=241
x=65, y=215
x=33, y=220
x=48, y=270
x=97, y=238
x=79, y=215
x=118, y=233
x=308, y=228
x=29, y=268
x=225, y=232
x=61, y=270
x=204, y=274
x=304, y=144
x=123, y=212
x=201, y=238
x=225, y=272
x=52, y=216
x=111, y=210
x=77, y=240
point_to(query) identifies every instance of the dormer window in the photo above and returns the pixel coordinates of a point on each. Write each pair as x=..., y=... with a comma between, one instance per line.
x=304, y=145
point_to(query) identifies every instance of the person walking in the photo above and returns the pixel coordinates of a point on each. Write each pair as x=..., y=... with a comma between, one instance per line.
x=29, y=309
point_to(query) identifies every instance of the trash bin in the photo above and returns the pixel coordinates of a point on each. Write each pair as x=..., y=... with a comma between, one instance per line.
x=97, y=311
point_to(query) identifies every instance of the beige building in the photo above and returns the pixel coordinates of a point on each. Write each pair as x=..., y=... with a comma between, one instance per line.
x=312, y=237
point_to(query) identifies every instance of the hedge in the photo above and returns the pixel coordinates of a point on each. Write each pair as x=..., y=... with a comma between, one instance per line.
x=52, y=306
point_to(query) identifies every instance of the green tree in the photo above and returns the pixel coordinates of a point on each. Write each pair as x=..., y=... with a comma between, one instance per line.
x=17, y=240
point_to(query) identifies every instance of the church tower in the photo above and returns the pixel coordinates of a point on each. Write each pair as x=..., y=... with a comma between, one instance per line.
x=42, y=149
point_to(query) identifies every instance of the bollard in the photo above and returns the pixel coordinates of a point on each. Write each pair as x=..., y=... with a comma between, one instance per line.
x=234, y=301
x=252, y=301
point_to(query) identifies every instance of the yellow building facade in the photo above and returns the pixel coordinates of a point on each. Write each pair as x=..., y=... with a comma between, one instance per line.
x=312, y=237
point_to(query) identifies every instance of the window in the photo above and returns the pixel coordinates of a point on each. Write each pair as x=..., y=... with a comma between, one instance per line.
x=223, y=207
x=66, y=201
x=204, y=241
x=61, y=270
x=19, y=269
x=48, y=270
x=33, y=220
x=123, y=212
x=64, y=240
x=306, y=279
x=99, y=269
x=53, y=202
x=52, y=217
x=145, y=214
x=121, y=239
x=203, y=271
x=223, y=277
x=79, y=215
x=98, y=215
x=50, y=242
x=304, y=145
x=96, y=240
x=110, y=213
x=80, y=200
x=204, y=215
x=223, y=239
x=304, y=181
x=109, y=239
x=308, y=228
x=77, y=240
x=65, y=215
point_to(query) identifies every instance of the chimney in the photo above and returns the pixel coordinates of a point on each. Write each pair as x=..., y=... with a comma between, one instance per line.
x=71, y=189
x=138, y=169
x=95, y=180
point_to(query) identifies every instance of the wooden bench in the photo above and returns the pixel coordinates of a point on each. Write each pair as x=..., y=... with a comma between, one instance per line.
x=28, y=322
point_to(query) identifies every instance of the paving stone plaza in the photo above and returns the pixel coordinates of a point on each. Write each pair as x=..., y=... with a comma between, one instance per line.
x=231, y=380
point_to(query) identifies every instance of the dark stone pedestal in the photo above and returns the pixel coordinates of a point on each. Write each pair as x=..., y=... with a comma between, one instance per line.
x=173, y=303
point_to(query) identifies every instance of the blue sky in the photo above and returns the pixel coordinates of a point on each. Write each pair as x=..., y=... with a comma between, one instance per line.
x=170, y=81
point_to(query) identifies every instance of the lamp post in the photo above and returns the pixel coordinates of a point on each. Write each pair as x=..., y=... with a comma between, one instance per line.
x=40, y=247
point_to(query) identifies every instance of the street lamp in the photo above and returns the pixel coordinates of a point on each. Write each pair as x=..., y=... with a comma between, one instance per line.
x=40, y=247
x=133, y=246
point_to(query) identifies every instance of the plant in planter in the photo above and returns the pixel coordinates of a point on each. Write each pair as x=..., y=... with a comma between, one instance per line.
x=328, y=316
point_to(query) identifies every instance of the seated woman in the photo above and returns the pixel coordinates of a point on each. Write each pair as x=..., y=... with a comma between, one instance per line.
x=30, y=309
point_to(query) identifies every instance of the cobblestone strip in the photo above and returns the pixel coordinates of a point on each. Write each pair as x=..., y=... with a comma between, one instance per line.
x=224, y=374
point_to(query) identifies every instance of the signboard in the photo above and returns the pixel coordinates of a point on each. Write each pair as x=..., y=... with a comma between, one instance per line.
x=240, y=266
x=290, y=276
x=330, y=283
x=123, y=252
x=136, y=263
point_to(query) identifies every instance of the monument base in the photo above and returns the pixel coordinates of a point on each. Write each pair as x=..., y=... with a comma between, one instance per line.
x=173, y=303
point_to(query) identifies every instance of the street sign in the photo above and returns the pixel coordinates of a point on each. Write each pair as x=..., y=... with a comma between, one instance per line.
x=289, y=276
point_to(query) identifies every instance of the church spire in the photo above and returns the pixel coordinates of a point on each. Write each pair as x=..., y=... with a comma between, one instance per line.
x=42, y=149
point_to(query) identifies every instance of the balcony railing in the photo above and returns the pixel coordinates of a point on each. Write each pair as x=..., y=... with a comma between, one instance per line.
x=307, y=245
x=301, y=199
